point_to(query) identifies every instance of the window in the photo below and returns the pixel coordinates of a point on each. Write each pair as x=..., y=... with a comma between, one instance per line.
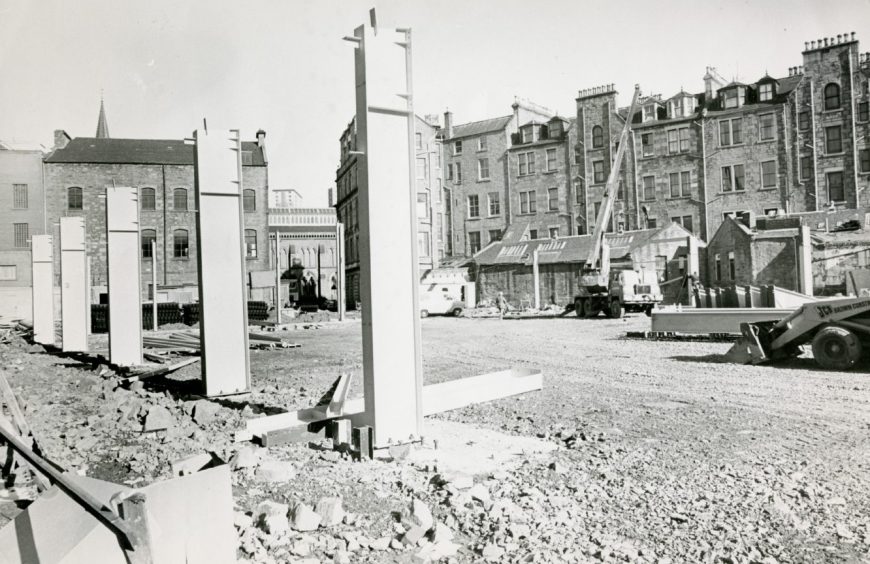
x=422, y=205
x=836, y=191
x=804, y=120
x=449, y=172
x=74, y=198
x=247, y=158
x=650, y=223
x=578, y=191
x=418, y=140
x=863, y=111
x=481, y=143
x=458, y=173
x=473, y=205
x=681, y=184
x=249, y=200
x=768, y=174
x=766, y=127
x=526, y=163
x=806, y=168
x=685, y=221
x=527, y=202
x=649, y=187
x=483, y=169
x=597, y=137
x=494, y=235
x=649, y=112
x=731, y=98
x=8, y=272
x=678, y=140
x=554, y=232
x=551, y=159
x=457, y=147
x=250, y=243
x=834, y=139
x=731, y=266
x=731, y=132
x=21, y=233
x=718, y=267
x=423, y=243
x=620, y=192
x=765, y=92
x=147, y=199
x=494, y=203
x=148, y=237
x=19, y=196
x=553, y=199
x=646, y=143
x=533, y=234
x=180, y=243
x=474, y=241
x=732, y=178
x=832, y=97
x=179, y=199
x=421, y=168
x=864, y=160
x=598, y=171
x=681, y=266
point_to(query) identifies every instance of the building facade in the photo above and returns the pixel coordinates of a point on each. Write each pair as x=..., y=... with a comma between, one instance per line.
x=22, y=212
x=78, y=171
x=308, y=257
x=430, y=207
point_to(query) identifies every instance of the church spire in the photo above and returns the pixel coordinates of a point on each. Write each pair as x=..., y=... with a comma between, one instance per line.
x=102, y=125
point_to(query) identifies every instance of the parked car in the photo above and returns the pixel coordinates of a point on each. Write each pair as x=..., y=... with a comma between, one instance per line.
x=439, y=303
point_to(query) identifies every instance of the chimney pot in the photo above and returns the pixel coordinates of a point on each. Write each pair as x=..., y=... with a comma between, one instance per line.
x=806, y=45
x=839, y=38
x=853, y=36
x=826, y=41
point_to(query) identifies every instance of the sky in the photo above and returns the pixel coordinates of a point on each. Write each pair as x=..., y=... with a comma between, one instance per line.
x=281, y=65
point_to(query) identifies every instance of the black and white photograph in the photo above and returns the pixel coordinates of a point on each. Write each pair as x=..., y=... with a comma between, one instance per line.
x=482, y=281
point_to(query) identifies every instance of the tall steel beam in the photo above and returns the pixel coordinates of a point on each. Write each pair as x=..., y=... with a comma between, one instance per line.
x=124, y=276
x=42, y=254
x=74, y=300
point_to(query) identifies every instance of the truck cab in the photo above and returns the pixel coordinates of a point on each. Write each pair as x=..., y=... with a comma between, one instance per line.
x=633, y=291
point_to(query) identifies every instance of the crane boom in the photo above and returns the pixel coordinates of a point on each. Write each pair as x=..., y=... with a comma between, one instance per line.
x=596, y=258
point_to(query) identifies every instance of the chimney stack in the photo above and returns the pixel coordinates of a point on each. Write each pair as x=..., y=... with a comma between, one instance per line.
x=329, y=197
x=61, y=138
x=261, y=143
x=448, y=124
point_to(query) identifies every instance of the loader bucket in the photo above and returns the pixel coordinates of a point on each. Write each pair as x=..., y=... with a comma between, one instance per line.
x=747, y=349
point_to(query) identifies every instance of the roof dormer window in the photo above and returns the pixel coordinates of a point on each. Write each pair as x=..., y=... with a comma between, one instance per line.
x=733, y=97
x=555, y=129
x=649, y=112
x=528, y=133
x=765, y=92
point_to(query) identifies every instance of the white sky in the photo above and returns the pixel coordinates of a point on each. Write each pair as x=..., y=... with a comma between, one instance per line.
x=281, y=65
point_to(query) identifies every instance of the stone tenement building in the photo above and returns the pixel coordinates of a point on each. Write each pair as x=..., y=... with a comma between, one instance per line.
x=431, y=225
x=79, y=170
x=21, y=210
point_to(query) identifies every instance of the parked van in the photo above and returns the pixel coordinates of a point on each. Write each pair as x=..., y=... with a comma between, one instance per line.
x=439, y=303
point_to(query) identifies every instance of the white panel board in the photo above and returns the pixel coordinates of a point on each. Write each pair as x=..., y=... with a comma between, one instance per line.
x=42, y=250
x=392, y=369
x=124, y=276
x=74, y=299
x=221, y=261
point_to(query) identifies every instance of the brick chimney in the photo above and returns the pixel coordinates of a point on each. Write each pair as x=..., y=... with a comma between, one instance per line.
x=61, y=138
x=448, y=124
x=261, y=142
x=329, y=196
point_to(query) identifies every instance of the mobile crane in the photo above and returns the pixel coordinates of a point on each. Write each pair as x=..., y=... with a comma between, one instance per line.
x=619, y=291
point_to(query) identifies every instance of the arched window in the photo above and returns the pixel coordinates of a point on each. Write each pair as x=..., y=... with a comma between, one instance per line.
x=147, y=200
x=180, y=243
x=249, y=200
x=74, y=198
x=179, y=199
x=148, y=236
x=251, y=243
x=597, y=136
x=832, y=96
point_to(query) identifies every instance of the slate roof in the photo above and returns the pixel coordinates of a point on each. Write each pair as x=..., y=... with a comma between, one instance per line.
x=479, y=127
x=136, y=151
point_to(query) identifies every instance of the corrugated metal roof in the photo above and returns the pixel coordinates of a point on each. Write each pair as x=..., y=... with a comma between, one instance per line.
x=136, y=151
x=479, y=127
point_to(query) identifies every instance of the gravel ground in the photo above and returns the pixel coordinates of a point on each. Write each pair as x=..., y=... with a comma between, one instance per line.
x=666, y=454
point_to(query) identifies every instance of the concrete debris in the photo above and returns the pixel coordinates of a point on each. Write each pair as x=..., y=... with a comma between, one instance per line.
x=271, y=517
x=304, y=518
x=330, y=511
x=275, y=471
x=205, y=412
x=247, y=457
x=158, y=419
x=417, y=514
